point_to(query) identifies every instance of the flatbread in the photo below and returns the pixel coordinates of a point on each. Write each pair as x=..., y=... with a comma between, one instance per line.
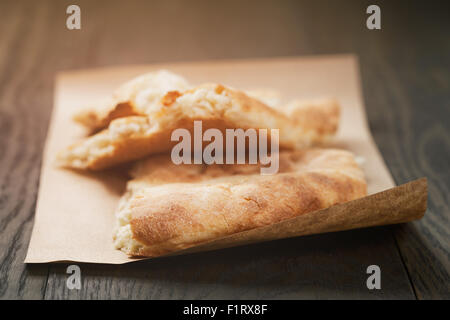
x=137, y=96
x=321, y=116
x=133, y=98
x=270, y=97
x=168, y=208
x=134, y=137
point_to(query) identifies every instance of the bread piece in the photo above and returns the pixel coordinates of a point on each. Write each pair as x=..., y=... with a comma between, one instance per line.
x=270, y=97
x=133, y=98
x=168, y=208
x=140, y=95
x=132, y=138
x=321, y=116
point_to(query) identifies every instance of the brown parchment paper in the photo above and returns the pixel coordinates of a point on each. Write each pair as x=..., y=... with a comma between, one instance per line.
x=75, y=211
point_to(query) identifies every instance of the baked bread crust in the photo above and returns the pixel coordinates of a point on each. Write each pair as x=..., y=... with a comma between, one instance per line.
x=137, y=97
x=132, y=98
x=131, y=138
x=98, y=118
x=169, y=208
x=321, y=116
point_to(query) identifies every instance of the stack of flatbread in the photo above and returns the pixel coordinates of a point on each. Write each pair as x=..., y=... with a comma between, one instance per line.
x=169, y=207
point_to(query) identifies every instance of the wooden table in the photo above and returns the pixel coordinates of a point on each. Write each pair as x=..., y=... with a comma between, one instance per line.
x=406, y=82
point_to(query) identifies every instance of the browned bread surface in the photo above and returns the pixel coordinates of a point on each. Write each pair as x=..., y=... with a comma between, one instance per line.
x=169, y=208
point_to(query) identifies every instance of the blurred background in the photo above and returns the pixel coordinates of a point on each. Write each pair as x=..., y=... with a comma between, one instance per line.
x=404, y=66
x=404, y=73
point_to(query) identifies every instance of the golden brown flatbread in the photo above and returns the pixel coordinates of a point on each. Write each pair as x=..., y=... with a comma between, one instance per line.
x=321, y=116
x=168, y=208
x=133, y=98
x=131, y=138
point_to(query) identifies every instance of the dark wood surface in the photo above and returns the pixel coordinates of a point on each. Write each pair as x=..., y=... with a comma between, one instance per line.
x=406, y=83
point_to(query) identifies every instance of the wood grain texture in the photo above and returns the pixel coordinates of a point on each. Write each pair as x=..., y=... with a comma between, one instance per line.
x=406, y=86
x=315, y=267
